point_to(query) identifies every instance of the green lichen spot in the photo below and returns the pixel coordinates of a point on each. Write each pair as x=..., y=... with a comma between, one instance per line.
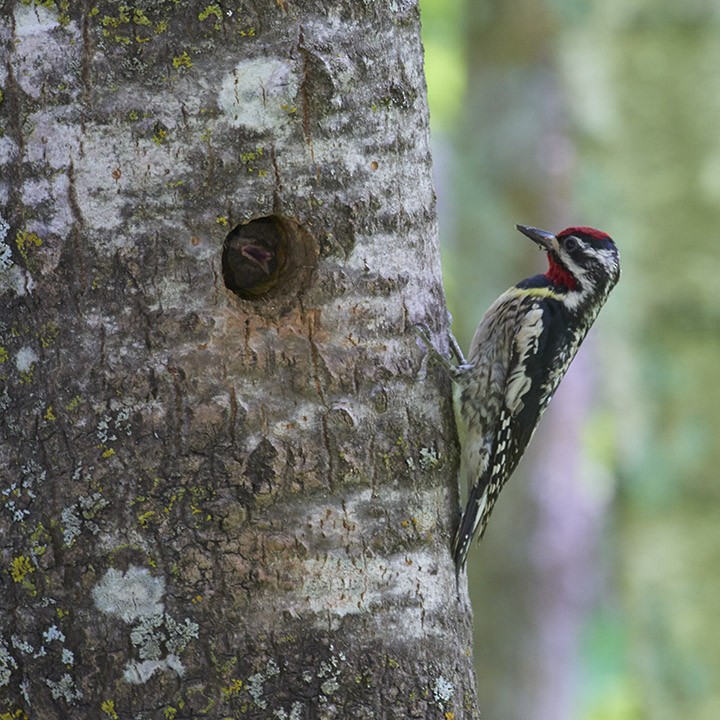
x=140, y=18
x=26, y=376
x=26, y=242
x=3, y=354
x=248, y=159
x=47, y=334
x=108, y=453
x=48, y=4
x=20, y=567
x=182, y=61
x=74, y=404
x=40, y=539
x=116, y=21
x=159, y=134
x=49, y=414
x=108, y=707
x=16, y=715
x=212, y=9
x=221, y=220
x=235, y=686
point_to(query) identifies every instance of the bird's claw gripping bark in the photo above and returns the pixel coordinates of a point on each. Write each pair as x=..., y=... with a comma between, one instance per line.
x=423, y=333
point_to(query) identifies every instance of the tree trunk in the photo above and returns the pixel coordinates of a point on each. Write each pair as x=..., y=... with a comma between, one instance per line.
x=227, y=490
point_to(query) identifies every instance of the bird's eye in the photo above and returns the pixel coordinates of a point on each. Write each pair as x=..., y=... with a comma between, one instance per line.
x=570, y=243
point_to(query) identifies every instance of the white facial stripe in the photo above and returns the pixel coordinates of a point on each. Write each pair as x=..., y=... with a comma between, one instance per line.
x=607, y=258
x=602, y=256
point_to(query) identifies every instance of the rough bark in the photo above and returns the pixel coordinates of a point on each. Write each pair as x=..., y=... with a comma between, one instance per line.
x=212, y=505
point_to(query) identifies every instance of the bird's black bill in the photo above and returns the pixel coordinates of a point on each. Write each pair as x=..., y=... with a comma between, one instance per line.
x=541, y=237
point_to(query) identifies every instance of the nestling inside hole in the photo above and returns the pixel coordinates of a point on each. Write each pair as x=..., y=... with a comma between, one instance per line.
x=254, y=256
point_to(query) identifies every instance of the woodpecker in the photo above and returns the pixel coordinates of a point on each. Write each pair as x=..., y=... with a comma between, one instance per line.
x=520, y=352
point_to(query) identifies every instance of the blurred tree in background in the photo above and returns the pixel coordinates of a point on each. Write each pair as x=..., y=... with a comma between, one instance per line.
x=595, y=589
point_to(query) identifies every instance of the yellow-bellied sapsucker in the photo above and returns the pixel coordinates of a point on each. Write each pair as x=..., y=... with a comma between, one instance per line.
x=520, y=352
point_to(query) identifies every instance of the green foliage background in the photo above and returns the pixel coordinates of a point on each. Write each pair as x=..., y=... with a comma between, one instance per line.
x=582, y=112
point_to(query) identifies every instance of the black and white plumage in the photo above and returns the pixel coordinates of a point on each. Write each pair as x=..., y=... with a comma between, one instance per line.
x=520, y=352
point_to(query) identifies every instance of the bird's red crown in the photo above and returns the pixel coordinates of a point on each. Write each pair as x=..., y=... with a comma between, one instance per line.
x=592, y=232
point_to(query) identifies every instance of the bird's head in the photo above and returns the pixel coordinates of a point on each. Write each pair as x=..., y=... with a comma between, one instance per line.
x=583, y=262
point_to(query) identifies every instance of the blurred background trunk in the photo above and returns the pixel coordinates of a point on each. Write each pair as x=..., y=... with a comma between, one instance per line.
x=604, y=114
x=530, y=579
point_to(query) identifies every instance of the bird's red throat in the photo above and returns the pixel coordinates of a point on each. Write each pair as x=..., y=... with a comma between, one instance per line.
x=559, y=276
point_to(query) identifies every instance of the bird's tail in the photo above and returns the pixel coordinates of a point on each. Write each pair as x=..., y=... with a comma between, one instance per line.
x=471, y=519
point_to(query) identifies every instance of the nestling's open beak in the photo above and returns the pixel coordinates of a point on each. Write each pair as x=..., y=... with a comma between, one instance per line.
x=258, y=256
x=547, y=241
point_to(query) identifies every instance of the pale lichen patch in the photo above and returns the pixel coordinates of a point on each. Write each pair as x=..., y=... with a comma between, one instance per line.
x=64, y=688
x=138, y=673
x=7, y=664
x=443, y=690
x=34, y=20
x=136, y=595
x=53, y=633
x=81, y=516
x=130, y=595
x=6, y=260
x=255, y=93
x=153, y=637
x=256, y=683
x=329, y=672
x=25, y=359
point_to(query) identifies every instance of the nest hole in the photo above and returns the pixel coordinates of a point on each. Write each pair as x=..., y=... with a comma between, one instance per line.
x=267, y=258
